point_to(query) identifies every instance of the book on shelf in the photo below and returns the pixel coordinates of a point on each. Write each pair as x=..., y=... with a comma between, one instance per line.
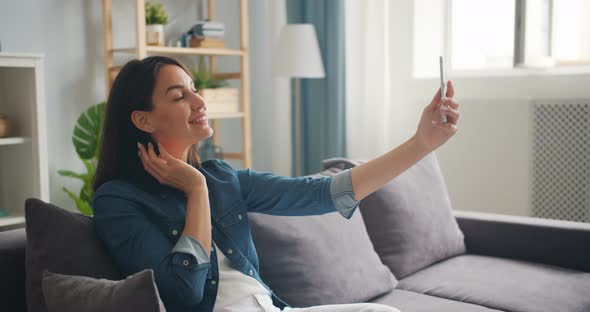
x=208, y=29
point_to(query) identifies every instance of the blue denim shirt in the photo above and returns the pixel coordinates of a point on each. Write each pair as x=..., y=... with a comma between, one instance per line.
x=142, y=229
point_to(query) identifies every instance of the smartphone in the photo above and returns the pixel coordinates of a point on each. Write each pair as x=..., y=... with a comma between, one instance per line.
x=443, y=83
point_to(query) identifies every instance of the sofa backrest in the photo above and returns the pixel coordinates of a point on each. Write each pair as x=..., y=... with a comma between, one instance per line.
x=12, y=269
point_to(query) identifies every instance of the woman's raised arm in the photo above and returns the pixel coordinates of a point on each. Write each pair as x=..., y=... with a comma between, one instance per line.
x=431, y=133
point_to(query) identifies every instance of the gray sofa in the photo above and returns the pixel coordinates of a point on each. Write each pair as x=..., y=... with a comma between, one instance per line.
x=533, y=265
x=513, y=263
x=440, y=259
x=503, y=263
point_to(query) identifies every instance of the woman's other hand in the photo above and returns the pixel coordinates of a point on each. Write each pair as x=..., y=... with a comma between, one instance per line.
x=431, y=132
x=170, y=170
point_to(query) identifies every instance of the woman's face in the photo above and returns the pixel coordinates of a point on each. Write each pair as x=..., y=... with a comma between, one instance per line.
x=176, y=106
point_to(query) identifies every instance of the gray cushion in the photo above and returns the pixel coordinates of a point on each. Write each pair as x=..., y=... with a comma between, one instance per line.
x=73, y=293
x=62, y=242
x=319, y=259
x=409, y=301
x=409, y=219
x=504, y=284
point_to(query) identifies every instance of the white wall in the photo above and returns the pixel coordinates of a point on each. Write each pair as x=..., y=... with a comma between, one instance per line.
x=69, y=33
x=483, y=163
x=486, y=163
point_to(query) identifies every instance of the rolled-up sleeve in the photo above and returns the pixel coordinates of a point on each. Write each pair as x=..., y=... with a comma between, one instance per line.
x=135, y=243
x=343, y=194
x=187, y=245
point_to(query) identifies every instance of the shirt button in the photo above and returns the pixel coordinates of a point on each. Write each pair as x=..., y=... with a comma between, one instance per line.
x=251, y=272
x=185, y=262
x=174, y=232
x=213, y=282
x=240, y=216
x=229, y=251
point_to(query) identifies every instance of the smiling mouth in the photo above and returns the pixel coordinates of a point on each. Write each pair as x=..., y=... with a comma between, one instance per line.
x=201, y=120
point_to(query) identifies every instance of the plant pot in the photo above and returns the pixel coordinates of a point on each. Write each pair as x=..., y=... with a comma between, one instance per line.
x=154, y=34
x=221, y=100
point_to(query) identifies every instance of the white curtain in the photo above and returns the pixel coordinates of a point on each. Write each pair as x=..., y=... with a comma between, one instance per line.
x=270, y=97
x=281, y=99
x=373, y=120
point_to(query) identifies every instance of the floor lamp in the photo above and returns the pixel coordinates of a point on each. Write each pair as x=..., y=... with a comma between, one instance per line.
x=298, y=56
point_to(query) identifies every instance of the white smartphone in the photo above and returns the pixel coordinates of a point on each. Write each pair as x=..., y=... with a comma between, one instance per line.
x=443, y=83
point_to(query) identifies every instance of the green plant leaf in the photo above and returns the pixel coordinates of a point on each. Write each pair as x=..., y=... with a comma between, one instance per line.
x=155, y=13
x=83, y=206
x=87, y=131
x=203, y=79
x=86, y=138
x=88, y=165
x=86, y=192
x=71, y=174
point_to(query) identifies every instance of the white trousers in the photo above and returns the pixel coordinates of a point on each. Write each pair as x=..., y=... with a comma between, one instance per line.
x=266, y=303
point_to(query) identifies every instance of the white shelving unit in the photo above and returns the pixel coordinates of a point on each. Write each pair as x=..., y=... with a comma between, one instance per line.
x=23, y=155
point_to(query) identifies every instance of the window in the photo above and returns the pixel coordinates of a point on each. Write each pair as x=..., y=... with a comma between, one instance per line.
x=571, y=31
x=500, y=34
x=482, y=34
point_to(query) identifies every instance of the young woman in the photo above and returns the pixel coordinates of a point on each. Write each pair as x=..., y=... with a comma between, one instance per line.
x=156, y=206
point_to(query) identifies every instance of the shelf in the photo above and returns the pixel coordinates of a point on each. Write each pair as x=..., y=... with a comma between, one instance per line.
x=23, y=153
x=233, y=156
x=224, y=115
x=114, y=70
x=11, y=222
x=14, y=140
x=182, y=51
x=140, y=50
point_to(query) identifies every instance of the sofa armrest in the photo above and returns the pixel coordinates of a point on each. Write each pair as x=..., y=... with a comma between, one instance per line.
x=554, y=242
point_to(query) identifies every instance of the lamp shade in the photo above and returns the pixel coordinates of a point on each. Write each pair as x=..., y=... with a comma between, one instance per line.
x=297, y=54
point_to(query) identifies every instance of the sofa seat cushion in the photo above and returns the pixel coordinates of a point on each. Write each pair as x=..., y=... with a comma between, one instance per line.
x=504, y=284
x=409, y=301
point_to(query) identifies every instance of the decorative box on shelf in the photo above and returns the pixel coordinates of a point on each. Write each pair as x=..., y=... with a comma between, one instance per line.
x=215, y=43
x=221, y=100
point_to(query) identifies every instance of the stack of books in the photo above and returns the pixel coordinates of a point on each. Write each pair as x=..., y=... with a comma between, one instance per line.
x=207, y=34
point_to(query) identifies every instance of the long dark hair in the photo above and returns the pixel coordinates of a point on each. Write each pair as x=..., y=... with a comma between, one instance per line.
x=132, y=90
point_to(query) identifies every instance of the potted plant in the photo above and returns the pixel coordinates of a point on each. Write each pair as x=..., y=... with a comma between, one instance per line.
x=155, y=19
x=86, y=139
x=218, y=97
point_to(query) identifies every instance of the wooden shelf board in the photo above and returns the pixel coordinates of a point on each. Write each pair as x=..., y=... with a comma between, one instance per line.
x=14, y=140
x=113, y=70
x=22, y=55
x=182, y=51
x=227, y=75
x=233, y=156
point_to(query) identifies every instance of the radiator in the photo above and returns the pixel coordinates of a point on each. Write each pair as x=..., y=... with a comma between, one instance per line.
x=561, y=159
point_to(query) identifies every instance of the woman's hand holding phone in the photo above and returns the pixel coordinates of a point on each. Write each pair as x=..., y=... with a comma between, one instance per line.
x=431, y=132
